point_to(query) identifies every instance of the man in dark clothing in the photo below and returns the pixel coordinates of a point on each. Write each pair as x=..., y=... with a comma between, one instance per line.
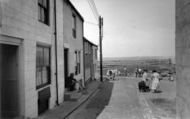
x=110, y=74
x=71, y=82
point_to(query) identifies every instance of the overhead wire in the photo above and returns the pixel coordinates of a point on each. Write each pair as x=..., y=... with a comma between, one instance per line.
x=93, y=9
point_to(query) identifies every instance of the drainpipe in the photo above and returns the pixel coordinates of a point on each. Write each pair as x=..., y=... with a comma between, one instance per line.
x=84, y=60
x=56, y=68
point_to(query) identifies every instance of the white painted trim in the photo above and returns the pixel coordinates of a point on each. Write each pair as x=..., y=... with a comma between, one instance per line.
x=66, y=45
x=4, y=39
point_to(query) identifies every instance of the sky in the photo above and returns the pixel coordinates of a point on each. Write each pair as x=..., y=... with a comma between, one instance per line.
x=132, y=27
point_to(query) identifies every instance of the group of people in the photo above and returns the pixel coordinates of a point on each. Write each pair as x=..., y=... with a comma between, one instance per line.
x=111, y=74
x=149, y=82
x=73, y=84
x=138, y=72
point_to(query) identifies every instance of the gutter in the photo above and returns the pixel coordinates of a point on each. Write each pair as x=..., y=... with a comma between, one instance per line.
x=56, y=67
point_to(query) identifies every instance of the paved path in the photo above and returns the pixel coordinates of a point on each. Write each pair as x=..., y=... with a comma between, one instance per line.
x=124, y=102
x=74, y=101
x=163, y=105
x=120, y=99
x=117, y=99
x=95, y=104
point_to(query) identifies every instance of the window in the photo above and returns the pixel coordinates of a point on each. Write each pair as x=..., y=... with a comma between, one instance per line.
x=78, y=60
x=42, y=66
x=74, y=25
x=86, y=48
x=43, y=11
x=89, y=49
x=96, y=55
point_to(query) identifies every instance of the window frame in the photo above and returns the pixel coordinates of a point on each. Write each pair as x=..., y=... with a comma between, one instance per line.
x=43, y=66
x=43, y=11
x=77, y=62
x=74, y=25
x=96, y=54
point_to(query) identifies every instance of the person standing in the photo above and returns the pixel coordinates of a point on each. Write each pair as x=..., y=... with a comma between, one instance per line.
x=144, y=76
x=155, y=81
x=136, y=72
x=110, y=74
x=145, y=80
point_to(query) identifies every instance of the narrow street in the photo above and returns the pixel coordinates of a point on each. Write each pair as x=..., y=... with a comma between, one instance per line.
x=118, y=99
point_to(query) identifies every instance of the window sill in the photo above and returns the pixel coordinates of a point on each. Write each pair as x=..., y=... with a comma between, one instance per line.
x=39, y=88
x=44, y=23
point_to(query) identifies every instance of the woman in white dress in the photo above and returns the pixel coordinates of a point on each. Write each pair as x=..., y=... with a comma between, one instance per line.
x=155, y=81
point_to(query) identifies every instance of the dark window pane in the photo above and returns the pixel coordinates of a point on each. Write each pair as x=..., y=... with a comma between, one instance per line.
x=44, y=75
x=74, y=25
x=45, y=3
x=75, y=70
x=73, y=22
x=46, y=57
x=43, y=66
x=46, y=16
x=43, y=14
x=39, y=56
x=38, y=76
x=74, y=33
x=78, y=65
x=79, y=57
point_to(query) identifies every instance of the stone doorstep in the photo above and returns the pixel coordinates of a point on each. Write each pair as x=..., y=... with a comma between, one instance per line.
x=83, y=99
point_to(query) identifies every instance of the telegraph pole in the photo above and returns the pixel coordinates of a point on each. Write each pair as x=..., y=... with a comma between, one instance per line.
x=101, y=35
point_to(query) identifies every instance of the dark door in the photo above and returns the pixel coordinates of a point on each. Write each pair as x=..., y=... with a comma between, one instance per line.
x=66, y=65
x=43, y=100
x=9, y=81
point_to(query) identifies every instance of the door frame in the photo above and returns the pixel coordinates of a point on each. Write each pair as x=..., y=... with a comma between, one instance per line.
x=66, y=64
x=18, y=42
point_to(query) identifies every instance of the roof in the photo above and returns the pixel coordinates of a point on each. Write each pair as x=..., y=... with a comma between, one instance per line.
x=90, y=42
x=73, y=7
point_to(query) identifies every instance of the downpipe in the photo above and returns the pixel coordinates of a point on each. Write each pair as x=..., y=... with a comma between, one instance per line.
x=56, y=67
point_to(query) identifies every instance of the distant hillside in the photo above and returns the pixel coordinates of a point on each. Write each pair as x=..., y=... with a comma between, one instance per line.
x=138, y=58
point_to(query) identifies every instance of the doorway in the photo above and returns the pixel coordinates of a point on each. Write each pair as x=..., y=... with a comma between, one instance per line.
x=66, y=66
x=9, y=81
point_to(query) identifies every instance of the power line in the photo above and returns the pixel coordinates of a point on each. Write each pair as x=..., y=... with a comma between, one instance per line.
x=93, y=8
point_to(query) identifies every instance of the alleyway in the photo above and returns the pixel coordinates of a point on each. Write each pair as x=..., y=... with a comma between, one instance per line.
x=120, y=99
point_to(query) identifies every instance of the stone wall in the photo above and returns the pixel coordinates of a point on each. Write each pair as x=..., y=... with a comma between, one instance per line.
x=183, y=58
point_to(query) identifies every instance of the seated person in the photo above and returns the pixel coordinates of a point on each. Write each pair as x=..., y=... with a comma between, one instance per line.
x=143, y=84
x=71, y=82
